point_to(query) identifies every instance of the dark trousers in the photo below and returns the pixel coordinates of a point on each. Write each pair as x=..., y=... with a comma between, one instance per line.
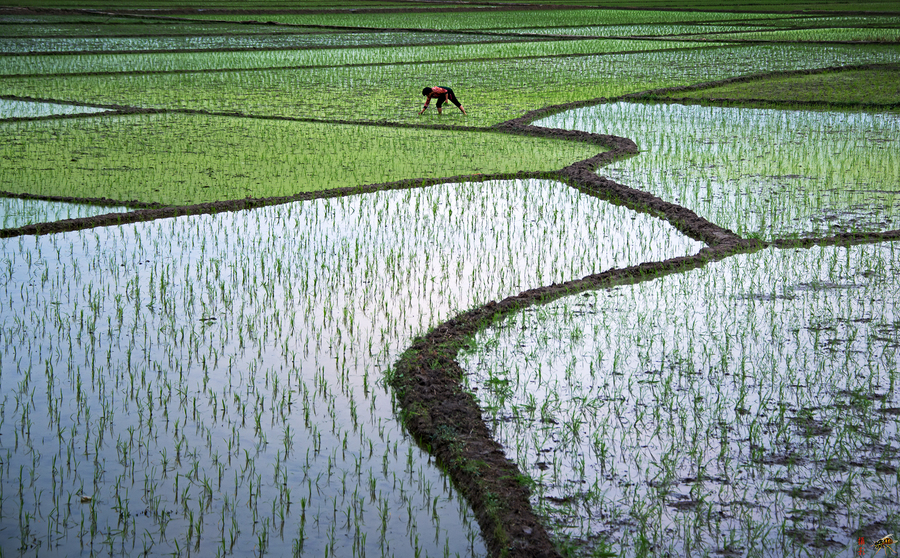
x=448, y=96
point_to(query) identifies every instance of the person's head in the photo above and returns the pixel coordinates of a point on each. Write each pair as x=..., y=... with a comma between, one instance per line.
x=426, y=91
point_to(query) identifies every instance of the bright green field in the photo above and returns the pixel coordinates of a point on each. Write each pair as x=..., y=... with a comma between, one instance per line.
x=500, y=20
x=184, y=159
x=870, y=86
x=84, y=63
x=767, y=5
x=492, y=91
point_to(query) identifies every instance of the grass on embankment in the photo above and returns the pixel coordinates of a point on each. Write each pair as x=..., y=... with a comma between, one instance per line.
x=185, y=159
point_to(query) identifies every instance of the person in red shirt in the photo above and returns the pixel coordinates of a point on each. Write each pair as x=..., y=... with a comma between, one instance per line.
x=442, y=94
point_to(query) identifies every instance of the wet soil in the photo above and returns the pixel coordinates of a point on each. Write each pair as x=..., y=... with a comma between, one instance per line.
x=428, y=381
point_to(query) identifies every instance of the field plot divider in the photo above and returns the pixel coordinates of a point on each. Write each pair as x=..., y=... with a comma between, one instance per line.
x=446, y=420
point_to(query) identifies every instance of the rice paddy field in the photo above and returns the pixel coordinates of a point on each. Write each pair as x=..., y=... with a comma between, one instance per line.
x=640, y=300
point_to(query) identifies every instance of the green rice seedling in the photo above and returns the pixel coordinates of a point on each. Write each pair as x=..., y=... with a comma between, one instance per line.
x=486, y=20
x=392, y=92
x=866, y=87
x=860, y=34
x=227, y=158
x=459, y=47
x=183, y=341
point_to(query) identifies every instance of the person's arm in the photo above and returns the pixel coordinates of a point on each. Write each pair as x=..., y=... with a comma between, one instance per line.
x=427, y=100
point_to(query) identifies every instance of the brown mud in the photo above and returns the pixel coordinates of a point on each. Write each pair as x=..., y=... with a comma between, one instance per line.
x=427, y=380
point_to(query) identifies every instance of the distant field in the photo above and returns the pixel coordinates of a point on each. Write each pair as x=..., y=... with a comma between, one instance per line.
x=870, y=86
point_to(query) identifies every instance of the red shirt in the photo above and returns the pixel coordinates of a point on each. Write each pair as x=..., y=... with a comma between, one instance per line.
x=435, y=92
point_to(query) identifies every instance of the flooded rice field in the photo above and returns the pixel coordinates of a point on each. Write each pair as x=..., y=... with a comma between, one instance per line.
x=763, y=173
x=746, y=408
x=15, y=212
x=240, y=369
x=13, y=108
x=214, y=383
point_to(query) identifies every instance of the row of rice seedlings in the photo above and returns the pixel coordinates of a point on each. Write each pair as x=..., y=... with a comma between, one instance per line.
x=743, y=408
x=15, y=18
x=222, y=60
x=184, y=159
x=83, y=27
x=759, y=172
x=828, y=21
x=79, y=26
x=501, y=19
x=866, y=86
x=860, y=34
x=16, y=212
x=646, y=30
x=212, y=384
x=24, y=45
x=392, y=92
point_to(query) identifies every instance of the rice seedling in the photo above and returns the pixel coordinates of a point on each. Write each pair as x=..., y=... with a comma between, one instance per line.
x=866, y=87
x=95, y=25
x=337, y=54
x=11, y=108
x=16, y=212
x=213, y=384
x=637, y=31
x=492, y=20
x=233, y=42
x=392, y=90
x=817, y=34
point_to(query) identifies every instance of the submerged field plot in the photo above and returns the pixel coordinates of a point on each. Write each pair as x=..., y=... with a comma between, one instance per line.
x=745, y=408
x=764, y=173
x=213, y=384
x=255, y=350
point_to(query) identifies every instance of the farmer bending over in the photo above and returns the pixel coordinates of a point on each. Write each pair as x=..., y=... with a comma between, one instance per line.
x=442, y=94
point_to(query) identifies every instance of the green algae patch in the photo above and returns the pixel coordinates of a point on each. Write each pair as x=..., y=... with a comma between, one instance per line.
x=195, y=158
x=865, y=86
